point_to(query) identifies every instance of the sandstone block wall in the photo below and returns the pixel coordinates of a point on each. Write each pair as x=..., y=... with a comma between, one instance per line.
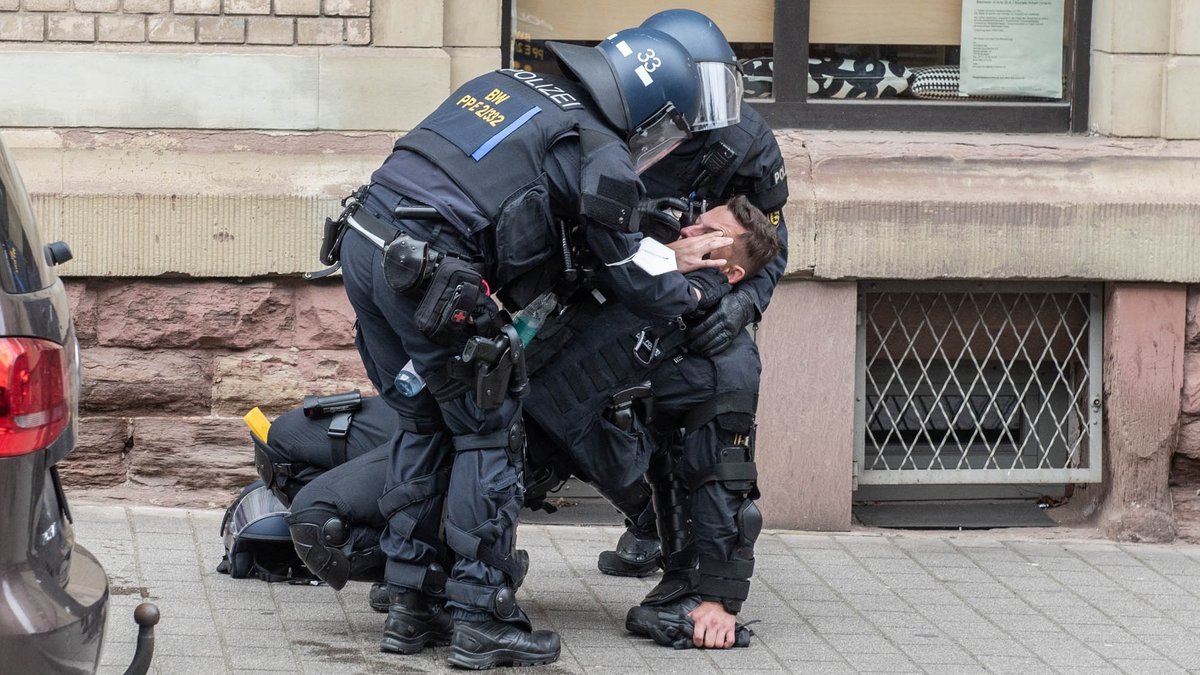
x=170, y=367
x=253, y=22
x=1189, y=430
x=1145, y=68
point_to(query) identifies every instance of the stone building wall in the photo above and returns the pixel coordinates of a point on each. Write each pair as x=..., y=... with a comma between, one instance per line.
x=253, y=22
x=170, y=367
x=189, y=159
x=1189, y=427
x=1146, y=68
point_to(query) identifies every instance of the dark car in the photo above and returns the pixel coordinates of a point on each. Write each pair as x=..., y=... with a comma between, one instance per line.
x=53, y=592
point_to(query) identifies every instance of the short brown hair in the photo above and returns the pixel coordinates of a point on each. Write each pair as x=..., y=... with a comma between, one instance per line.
x=760, y=241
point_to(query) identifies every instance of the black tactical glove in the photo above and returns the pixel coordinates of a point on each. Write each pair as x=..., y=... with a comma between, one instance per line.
x=676, y=630
x=711, y=283
x=716, y=332
x=656, y=220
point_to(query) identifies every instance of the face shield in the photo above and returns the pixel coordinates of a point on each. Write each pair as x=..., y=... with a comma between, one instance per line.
x=251, y=508
x=720, y=95
x=657, y=137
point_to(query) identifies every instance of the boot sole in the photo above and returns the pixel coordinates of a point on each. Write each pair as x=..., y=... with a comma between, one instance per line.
x=616, y=567
x=399, y=645
x=497, y=658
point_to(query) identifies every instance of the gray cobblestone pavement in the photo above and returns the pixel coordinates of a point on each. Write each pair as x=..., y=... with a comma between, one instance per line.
x=825, y=603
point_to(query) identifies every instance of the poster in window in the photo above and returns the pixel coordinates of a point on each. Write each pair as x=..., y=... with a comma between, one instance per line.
x=1012, y=48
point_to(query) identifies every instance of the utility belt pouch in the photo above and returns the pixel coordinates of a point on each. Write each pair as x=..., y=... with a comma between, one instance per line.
x=408, y=263
x=331, y=241
x=335, y=230
x=445, y=313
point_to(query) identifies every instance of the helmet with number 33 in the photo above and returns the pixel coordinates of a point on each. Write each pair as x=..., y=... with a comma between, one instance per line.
x=645, y=84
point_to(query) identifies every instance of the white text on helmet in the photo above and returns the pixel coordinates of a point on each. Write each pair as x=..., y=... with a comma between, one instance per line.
x=561, y=97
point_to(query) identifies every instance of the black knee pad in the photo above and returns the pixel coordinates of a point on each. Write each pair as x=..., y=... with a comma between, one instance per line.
x=750, y=524
x=319, y=546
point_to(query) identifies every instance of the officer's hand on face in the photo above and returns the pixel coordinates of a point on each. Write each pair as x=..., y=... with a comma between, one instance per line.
x=714, y=627
x=691, y=252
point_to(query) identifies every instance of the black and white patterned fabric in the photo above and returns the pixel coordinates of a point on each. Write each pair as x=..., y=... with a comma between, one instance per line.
x=857, y=78
x=758, y=76
x=939, y=82
x=833, y=78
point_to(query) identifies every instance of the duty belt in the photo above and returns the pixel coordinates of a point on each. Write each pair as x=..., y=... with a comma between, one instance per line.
x=409, y=264
x=365, y=224
x=381, y=234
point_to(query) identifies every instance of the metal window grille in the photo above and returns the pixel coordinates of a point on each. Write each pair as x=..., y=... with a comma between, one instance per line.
x=972, y=383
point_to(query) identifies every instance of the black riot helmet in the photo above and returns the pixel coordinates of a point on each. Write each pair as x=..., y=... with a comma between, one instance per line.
x=645, y=84
x=258, y=543
x=720, y=73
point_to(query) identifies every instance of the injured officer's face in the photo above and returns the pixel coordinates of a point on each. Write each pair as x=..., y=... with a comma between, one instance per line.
x=721, y=219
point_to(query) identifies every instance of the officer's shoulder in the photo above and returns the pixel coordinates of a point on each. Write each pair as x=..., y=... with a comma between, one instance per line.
x=752, y=123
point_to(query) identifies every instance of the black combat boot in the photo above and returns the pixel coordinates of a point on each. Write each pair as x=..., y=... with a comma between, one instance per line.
x=415, y=621
x=652, y=621
x=638, y=554
x=670, y=626
x=492, y=643
x=379, y=599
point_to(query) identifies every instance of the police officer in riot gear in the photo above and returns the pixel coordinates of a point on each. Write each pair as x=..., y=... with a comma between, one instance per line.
x=734, y=152
x=331, y=479
x=498, y=163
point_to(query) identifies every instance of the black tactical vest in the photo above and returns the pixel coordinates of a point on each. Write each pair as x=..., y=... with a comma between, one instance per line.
x=491, y=138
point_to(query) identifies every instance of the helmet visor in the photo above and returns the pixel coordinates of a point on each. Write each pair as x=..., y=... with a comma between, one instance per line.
x=657, y=137
x=721, y=90
x=253, y=506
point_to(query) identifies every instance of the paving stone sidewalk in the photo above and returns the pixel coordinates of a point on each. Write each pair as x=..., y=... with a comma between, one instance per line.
x=825, y=603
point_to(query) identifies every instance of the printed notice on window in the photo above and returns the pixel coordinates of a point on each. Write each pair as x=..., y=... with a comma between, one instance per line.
x=1012, y=48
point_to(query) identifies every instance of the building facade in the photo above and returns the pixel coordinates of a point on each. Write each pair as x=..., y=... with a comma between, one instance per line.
x=987, y=294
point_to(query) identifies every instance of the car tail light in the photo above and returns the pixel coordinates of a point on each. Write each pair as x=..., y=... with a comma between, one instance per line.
x=34, y=408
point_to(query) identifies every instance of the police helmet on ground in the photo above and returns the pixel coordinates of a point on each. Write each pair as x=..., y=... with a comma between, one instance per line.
x=645, y=84
x=257, y=541
x=720, y=74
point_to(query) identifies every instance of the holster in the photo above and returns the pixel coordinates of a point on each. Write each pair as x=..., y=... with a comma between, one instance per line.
x=335, y=230
x=498, y=367
x=331, y=241
x=623, y=406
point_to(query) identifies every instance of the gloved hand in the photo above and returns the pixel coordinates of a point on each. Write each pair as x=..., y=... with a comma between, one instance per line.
x=656, y=220
x=675, y=630
x=716, y=332
x=711, y=283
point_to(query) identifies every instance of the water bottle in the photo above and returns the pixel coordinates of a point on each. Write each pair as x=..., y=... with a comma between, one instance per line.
x=529, y=321
x=408, y=382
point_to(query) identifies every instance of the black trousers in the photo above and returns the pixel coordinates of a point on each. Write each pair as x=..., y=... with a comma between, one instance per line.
x=481, y=489
x=679, y=388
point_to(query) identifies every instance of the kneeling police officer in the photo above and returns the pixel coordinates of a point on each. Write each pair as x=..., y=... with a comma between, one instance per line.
x=473, y=194
x=732, y=152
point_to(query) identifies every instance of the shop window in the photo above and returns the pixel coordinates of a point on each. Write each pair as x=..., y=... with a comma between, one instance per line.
x=933, y=65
